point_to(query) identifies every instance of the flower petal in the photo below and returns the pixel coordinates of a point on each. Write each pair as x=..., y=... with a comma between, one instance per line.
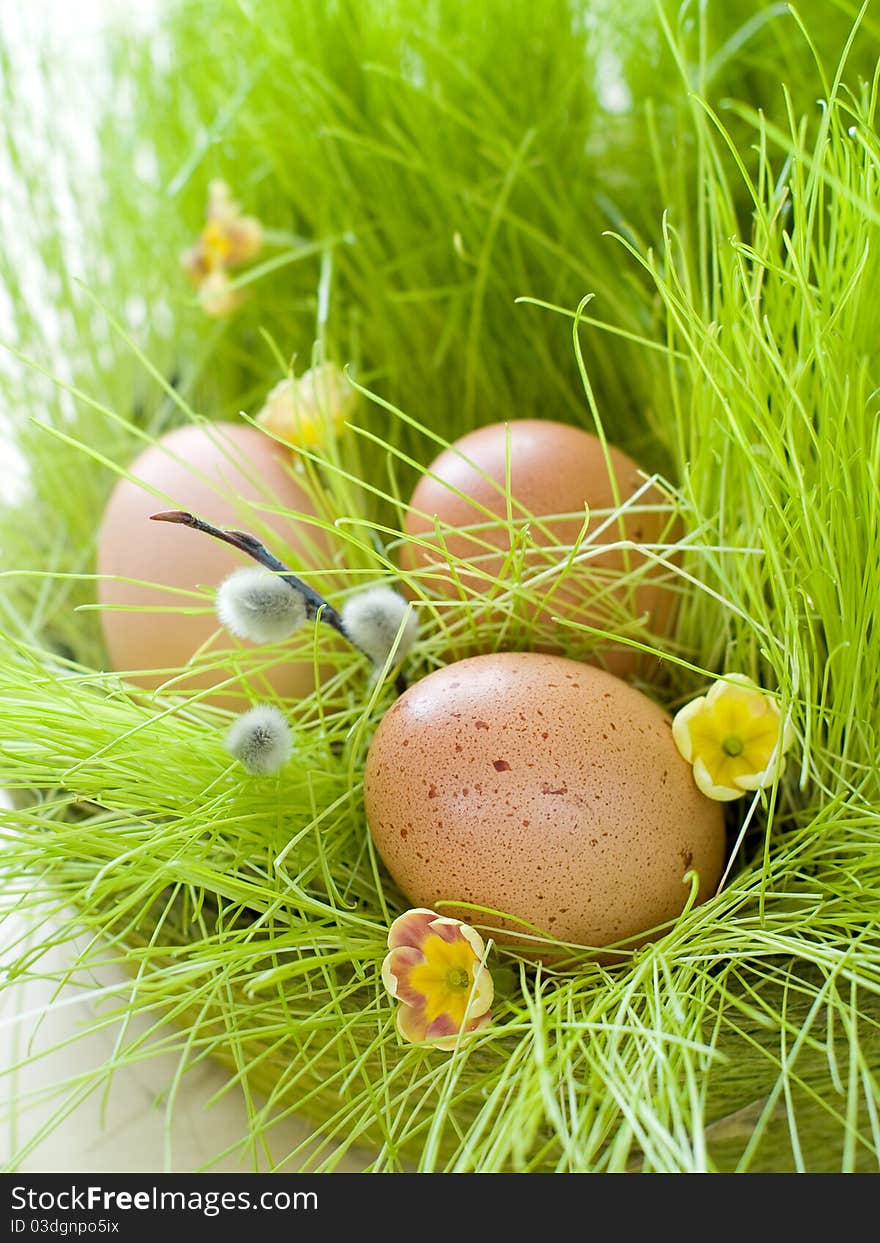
x=442, y=1027
x=221, y=205
x=396, y=969
x=756, y=781
x=681, y=726
x=452, y=930
x=483, y=993
x=194, y=263
x=765, y=777
x=441, y=1034
x=474, y=940
x=703, y=778
x=726, y=770
x=245, y=240
x=216, y=295
x=729, y=680
x=412, y=1024
x=448, y=1043
x=411, y=927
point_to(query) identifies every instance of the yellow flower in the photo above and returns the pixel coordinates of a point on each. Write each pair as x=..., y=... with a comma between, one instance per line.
x=229, y=236
x=216, y=245
x=734, y=737
x=227, y=240
x=309, y=411
x=435, y=970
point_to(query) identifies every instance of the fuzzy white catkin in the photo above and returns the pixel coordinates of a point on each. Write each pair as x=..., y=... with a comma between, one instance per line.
x=254, y=604
x=260, y=740
x=372, y=619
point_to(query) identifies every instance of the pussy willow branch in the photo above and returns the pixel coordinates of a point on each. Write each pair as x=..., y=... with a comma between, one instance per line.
x=316, y=605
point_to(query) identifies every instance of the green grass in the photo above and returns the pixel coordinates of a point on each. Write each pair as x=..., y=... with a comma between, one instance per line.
x=425, y=176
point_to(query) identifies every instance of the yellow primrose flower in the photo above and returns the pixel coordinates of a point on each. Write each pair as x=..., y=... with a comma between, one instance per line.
x=215, y=246
x=228, y=236
x=227, y=240
x=435, y=970
x=734, y=737
x=309, y=411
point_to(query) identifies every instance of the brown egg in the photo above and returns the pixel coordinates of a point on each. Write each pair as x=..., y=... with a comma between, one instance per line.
x=554, y=469
x=542, y=788
x=226, y=473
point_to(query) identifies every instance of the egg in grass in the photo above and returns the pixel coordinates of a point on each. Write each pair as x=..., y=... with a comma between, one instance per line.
x=234, y=475
x=545, y=789
x=597, y=534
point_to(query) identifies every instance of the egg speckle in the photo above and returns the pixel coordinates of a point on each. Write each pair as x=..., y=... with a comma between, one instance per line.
x=542, y=788
x=231, y=475
x=554, y=469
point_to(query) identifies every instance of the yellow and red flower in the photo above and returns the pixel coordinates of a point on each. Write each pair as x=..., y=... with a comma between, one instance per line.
x=734, y=736
x=435, y=969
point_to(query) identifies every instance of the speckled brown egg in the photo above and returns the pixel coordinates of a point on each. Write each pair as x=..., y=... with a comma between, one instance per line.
x=231, y=475
x=542, y=788
x=554, y=469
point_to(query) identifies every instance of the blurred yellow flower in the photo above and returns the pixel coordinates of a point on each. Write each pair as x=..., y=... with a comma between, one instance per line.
x=435, y=969
x=310, y=411
x=734, y=737
x=227, y=240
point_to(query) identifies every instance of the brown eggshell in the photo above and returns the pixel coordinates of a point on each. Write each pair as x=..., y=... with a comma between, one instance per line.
x=554, y=469
x=226, y=473
x=543, y=788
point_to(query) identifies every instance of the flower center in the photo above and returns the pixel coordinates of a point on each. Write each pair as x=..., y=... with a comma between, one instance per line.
x=458, y=977
x=732, y=745
x=215, y=241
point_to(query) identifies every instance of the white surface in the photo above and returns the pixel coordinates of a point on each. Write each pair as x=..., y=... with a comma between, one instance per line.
x=51, y=1047
x=129, y=1127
